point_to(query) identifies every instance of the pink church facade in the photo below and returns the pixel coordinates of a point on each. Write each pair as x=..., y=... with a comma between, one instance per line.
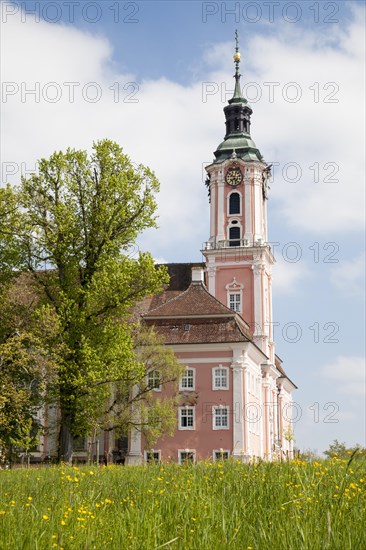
x=235, y=397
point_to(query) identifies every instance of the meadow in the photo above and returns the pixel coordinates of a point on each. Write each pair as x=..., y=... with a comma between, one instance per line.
x=208, y=506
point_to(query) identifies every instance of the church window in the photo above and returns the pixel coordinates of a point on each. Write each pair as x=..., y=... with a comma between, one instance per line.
x=234, y=203
x=220, y=454
x=186, y=418
x=187, y=380
x=234, y=236
x=188, y=455
x=220, y=418
x=154, y=380
x=235, y=301
x=220, y=378
x=235, y=295
x=152, y=456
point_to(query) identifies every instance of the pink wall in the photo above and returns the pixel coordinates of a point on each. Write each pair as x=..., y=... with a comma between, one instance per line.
x=204, y=439
x=244, y=276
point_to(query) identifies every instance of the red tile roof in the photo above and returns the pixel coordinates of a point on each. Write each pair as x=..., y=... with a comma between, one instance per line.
x=195, y=301
x=200, y=331
x=195, y=316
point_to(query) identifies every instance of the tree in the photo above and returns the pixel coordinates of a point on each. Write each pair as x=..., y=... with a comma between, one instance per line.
x=25, y=371
x=340, y=450
x=79, y=217
x=11, y=252
x=24, y=363
x=28, y=362
x=132, y=401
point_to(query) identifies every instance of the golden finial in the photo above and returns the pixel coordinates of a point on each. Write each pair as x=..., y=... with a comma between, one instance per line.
x=236, y=54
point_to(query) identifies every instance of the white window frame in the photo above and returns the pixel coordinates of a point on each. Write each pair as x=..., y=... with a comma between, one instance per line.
x=240, y=204
x=153, y=373
x=186, y=408
x=181, y=387
x=220, y=407
x=236, y=301
x=217, y=388
x=154, y=451
x=180, y=451
x=235, y=288
x=220, y=451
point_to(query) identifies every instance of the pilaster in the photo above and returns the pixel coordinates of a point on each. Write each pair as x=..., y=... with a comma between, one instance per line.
x=134, y=456
x=220, y=232
x=238, y=402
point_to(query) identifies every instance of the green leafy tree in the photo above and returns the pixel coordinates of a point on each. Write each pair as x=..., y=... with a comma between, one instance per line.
x=131, y=401
x=26, y=369
x=340, y=450
x=80, y=217
x=23, y=363
x=28, y=363
x=11, y=252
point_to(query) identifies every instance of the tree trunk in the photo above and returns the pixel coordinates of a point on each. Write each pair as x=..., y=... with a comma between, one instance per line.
x=65, y=443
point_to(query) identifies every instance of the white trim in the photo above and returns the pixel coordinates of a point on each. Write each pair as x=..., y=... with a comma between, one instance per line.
x=220, y=407
x=234, y=289
x=234, y=286
x=230, y=225
x=205, y=360
x=254, y=352
x=152, y=451
x=181, y=388
x=213, y=191
x=220, y=451
x=186, y=407
x=214, y=387
x=240, y=203
x=193, y=451
x=220, y=206
x=238, y=400
x=134, y=455
x=247, y=207
x=237, y=301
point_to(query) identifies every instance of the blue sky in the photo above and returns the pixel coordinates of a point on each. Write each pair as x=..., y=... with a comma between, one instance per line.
x=171, y=64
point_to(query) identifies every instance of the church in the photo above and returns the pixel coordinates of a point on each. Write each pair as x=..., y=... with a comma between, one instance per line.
x=235, y=397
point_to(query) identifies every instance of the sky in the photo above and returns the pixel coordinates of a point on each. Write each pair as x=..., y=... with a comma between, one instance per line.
x=155, y=76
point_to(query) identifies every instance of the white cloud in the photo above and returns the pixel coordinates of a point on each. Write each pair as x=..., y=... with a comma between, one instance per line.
x=349, y=277
x=348, y=373
x=288, y=277
x=174, y=130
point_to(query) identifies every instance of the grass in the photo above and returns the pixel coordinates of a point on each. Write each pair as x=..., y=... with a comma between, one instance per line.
x=213, y=506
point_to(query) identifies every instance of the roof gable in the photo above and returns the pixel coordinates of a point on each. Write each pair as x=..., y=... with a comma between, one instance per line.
x=196, y=301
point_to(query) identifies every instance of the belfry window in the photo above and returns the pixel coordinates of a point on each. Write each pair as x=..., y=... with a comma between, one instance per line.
x=234, y=203
x=234, y=236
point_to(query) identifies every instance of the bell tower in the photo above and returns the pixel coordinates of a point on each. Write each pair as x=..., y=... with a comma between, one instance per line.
x=238, y=256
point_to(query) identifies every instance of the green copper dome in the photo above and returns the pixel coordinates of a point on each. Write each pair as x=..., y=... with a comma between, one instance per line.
x=242, y=144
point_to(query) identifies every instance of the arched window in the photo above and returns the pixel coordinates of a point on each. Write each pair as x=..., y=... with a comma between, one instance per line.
x=234, y=203
x=234, y=236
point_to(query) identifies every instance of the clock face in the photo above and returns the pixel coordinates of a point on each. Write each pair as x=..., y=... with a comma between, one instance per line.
x=234, y=176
